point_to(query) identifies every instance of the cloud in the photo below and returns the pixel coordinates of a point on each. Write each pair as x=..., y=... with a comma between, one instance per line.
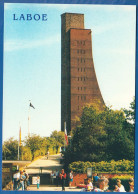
x=12, y=45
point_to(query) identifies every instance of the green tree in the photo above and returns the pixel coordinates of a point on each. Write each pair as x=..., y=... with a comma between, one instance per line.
x=26, y=153
x=10, y=149
x=34, y=142
x=101, y=135
x=118, y=139
x=89, y=139
x=130, y=113
x=59, y=138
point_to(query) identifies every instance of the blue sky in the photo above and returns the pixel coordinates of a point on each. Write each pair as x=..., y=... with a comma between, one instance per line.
x=32, y=62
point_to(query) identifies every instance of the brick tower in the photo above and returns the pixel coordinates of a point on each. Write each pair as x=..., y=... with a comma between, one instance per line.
x=78, y=78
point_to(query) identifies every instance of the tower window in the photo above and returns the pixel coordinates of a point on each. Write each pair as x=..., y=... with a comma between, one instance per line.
x=84, y=78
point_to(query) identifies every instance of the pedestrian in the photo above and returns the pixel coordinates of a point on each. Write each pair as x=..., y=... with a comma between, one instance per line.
x=89, y=186
x=116, y=189
x=63, y=179
x=38, y=182
x=57, y=177
x=70, y=178
x=16, y=179
x=120, y=186
x=22, y=179
x=26, y=179
x=47, y=154
x=101, y=185
x=52, y=177
x=131, y=185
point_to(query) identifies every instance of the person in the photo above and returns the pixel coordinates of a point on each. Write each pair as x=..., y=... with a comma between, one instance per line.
x=120, y=186
x=22, y=179
x=52, y=177
x=70, y=178
x=63, y=179
x=116, y=188
x=16, y=179
x=47, y=154
x=38, y=182
x=89, y=186
x=131, y=185
x=26, y=179
x=95, y=179
x=101, y=185
x=57, y=177
x=106, y=186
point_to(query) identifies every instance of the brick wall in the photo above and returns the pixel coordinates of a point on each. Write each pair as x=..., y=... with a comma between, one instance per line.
x=80, y=178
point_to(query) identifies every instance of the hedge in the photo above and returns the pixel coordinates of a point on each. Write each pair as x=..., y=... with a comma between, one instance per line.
x=121, y=166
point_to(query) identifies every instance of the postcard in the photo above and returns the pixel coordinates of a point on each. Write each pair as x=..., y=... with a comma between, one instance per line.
x=69, y=86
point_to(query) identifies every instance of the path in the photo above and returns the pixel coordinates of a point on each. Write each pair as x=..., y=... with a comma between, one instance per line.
x=47, y=165
x=52, y=188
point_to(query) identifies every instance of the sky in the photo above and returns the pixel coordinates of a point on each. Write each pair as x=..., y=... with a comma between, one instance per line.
x=32, y=62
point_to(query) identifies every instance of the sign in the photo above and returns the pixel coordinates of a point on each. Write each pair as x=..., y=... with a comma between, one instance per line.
x=89, y=172
x=35, y=180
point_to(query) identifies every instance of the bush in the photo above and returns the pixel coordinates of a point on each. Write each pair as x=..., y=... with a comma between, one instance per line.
x=121, y=166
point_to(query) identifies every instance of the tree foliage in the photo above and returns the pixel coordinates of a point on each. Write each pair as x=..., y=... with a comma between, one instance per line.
x=101, y=135
x=33, y=146
x=10, y=149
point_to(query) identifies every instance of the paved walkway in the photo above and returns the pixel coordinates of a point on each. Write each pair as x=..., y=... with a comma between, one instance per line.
x=47, y=165
x=51, y=188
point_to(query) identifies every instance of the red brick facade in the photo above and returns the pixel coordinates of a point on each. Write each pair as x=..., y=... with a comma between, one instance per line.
x=78, y=78
x=80, y=178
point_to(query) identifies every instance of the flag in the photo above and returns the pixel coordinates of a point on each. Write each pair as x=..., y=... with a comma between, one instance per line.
x=32, y=105
x=66, y=137
x=20, y=143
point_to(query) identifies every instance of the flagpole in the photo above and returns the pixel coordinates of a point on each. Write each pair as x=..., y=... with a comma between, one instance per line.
x=29, y=120
x=18, y=142
x=64, y=133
